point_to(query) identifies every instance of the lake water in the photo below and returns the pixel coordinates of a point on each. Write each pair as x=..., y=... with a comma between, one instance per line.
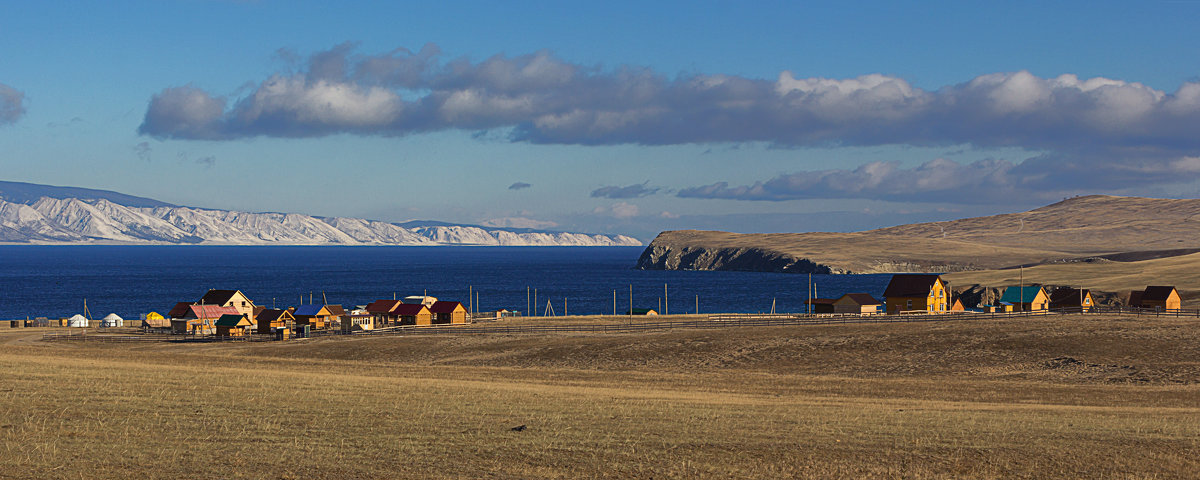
x=53, y=281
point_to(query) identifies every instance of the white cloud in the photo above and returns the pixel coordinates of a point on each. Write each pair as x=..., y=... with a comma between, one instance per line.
x=619, y=210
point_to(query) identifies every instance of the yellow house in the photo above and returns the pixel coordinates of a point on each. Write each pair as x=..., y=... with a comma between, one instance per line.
x=229, y=298
x=913, y=292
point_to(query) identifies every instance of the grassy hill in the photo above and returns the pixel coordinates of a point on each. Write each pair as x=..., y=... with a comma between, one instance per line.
x=1129, y=234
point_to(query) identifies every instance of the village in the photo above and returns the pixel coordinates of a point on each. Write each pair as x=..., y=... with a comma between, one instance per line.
x=232, y=314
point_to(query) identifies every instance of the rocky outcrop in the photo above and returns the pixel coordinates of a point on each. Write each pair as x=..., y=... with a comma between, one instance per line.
x=659, y=256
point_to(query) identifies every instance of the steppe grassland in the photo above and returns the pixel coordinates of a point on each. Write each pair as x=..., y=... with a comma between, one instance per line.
x=916, y=400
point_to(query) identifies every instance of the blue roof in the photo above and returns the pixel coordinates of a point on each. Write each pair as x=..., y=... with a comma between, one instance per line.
x=1016, y=294
x=309, y=310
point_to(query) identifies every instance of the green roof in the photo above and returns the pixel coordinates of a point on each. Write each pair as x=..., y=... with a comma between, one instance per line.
x=229, y=320
x=1019, y=294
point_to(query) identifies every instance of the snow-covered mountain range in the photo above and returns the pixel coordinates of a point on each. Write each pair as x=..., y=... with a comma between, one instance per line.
x=99, y=220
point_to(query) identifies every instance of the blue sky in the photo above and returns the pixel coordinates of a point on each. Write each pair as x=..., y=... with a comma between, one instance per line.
x=620, y=117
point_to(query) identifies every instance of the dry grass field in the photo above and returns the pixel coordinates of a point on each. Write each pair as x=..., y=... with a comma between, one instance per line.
x=1053, y=397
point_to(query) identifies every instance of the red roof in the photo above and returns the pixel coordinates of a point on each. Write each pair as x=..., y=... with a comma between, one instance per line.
x=210, y=311
x=409, y=309
x=444, y=307
x=861, y=298
x=382, y=306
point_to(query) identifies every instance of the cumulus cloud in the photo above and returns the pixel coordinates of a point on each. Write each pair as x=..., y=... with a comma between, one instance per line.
x=12, y=104
x=540, y=98
x=519, y=186
x=631, y=191
x=1085, y=128
x=619, y=210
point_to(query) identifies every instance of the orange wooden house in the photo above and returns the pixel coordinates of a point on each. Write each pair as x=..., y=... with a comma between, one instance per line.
x=448, y=313
x=1162, y=297
x=912, y=292
x=413, y=314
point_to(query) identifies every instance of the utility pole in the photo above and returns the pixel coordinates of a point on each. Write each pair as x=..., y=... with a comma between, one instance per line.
x=535, y=302
x=527, y=300
x=631, y=302
x=471, y=299
x=614, y=302
x=809, y=293
x=697, y=304
x=565, y=307
x=666, y=301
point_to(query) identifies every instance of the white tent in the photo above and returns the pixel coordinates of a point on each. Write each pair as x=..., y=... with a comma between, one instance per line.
x=112, y=320
x=77, y=321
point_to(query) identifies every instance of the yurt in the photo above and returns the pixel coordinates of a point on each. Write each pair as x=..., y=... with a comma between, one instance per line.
x=112, y=320
x=77, y=321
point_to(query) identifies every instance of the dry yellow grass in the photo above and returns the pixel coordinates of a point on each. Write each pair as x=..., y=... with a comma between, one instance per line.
x=950, y=400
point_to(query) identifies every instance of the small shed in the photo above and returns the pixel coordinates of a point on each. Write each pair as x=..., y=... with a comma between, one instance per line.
x=957, y=306
x=821, y=305
x=642, y=311
x=857, y=303
x=448, y=312
x=233, y=325
x=77, y=321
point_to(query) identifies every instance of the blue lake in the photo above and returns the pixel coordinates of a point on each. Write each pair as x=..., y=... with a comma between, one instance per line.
x=53, y=281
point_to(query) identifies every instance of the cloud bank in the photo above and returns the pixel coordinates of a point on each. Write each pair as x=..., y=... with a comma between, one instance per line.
x=636, y=190
x=546, y=100
x=1096, y=130
x=11, y=104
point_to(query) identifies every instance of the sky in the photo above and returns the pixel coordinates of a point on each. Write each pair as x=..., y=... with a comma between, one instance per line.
x=605, y=117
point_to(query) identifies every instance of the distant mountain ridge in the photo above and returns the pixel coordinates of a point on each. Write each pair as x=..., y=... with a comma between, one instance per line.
x=42, y=214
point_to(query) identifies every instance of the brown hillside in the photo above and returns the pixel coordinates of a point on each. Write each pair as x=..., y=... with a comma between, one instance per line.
x=1063, y=232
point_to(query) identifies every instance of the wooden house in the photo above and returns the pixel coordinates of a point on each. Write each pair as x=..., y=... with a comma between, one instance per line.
x=1027, y=298
x=413, y=314
x=382, y=311
x=229, y=298
x=445, y=312
x=909, y=292
x=357, y=321
x=856, y=303
x=1159, y=298
x=316, y=316
x=179, y=310
x=234, y=325
x=1072, y=299
x=336, y=313
x=642, y=311
x=271, y=320
x=820, y=305
x=200, y=319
